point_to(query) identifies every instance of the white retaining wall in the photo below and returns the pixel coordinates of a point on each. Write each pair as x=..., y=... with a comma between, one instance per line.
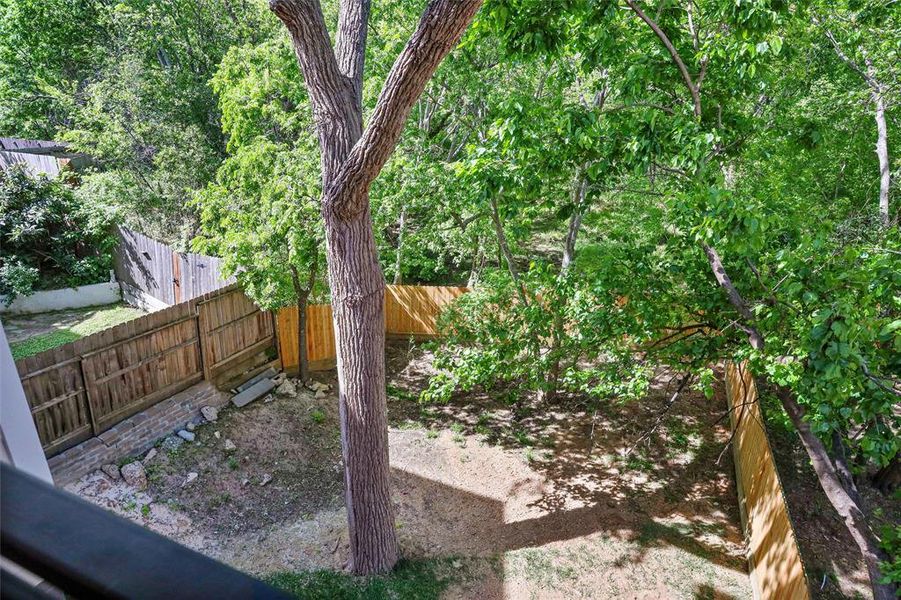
x=141, y=299
x=79, y=297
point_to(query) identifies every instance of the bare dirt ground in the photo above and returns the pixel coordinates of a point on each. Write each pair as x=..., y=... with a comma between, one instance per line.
x=534, y=507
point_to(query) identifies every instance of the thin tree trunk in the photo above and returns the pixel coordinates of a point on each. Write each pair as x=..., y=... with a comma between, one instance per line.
x=478, y=263
x=401, y=222
x=575, y=222
x=505, y=250
x=844, y=471
x=844, y=505
x=303, y=360
x=885, y=175
x=303, y=297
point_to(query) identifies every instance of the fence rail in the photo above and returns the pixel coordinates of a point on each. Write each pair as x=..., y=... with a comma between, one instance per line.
x=83, y=388
x=773, y=554
x=410, y=310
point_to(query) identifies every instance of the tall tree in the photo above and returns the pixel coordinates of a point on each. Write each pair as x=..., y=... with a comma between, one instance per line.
x=351, y=158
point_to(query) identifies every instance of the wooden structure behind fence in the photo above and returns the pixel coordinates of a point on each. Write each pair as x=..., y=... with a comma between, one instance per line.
x=83, y=388
x=410, y=310
x=774, y=558
x=159, y=271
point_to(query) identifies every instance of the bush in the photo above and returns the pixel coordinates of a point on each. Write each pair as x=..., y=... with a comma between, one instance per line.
x=48, y=238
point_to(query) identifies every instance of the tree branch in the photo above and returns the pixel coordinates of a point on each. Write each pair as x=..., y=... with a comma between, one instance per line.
x=350, y=45
x=439, y=30
x=719, y=271
x=337, y=114
x=686, y=76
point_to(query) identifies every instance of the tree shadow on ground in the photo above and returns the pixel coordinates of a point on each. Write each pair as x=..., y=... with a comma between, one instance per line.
x=673, y=491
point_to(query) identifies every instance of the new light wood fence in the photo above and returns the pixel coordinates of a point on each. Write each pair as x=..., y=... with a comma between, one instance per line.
x=410, y=310
x=83, y=388
x=773, y=555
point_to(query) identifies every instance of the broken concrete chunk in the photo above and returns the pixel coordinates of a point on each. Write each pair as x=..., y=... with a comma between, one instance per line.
x=186, y=435
x=172, y=443
x=230, y=446
x=191, y=477
x=190, y=426
x=266, y=479
x=217, y=434
x=319, y=395
x=112, y=471
x=134, y=475
x=257, y=390
x=210, y=413
x=287, y=388
x=267, y=374
x=151, y=454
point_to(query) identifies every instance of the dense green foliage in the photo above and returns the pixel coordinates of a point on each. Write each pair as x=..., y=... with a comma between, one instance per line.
x=49, y=238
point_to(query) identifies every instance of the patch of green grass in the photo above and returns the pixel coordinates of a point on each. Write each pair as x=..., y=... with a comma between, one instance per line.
x=431, y=434
x=39, y=343
x=400, y=393
x=318, y=416
x=232, y=463
x=96, y=318
x=409, y=580
x=145, y=510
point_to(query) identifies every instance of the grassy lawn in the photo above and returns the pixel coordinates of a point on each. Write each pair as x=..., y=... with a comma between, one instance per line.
x=69, y=326
x=422, y=579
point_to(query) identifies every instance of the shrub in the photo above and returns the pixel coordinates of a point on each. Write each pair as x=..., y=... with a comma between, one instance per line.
x=48, y=238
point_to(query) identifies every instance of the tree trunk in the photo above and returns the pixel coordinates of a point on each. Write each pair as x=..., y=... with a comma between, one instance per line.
x=885, y=176
x=351, y=158
x=303, y=360
x=358, y=305
x=398, y=277
x=575, y=222
x=303, y=296
x=505, y=250
x=478, y=263
x=844, y=471
x=844, y=505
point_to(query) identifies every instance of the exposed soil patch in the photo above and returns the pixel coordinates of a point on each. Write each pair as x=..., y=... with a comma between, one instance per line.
x=533, y=507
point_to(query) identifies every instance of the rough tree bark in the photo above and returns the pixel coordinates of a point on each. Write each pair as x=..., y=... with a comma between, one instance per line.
x=838, y=496
x=351, y=159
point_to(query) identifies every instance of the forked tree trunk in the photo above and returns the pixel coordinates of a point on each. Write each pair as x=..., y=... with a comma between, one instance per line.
x=843, y=503
x=351, y=159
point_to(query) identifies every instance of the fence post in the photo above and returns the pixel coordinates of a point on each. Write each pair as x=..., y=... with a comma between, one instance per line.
x=87, y=396
x=201, y=337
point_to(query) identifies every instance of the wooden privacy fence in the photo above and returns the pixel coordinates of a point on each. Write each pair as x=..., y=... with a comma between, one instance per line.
x=410, y=310
x=83, y=388
x=773, y=555
x=159, y=271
